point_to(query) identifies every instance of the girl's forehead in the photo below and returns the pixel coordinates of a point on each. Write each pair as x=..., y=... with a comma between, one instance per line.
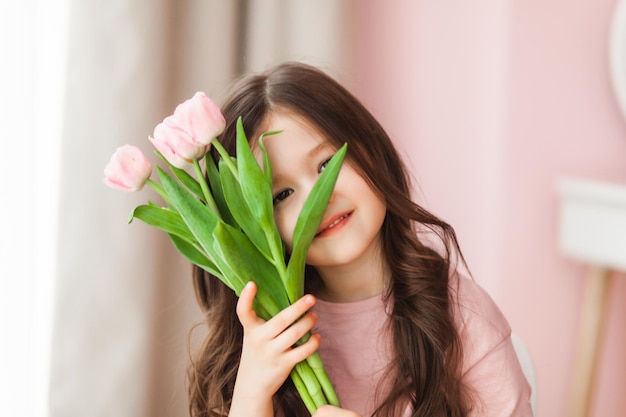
x=286, y=117
x=297, y=145
x=293, y=133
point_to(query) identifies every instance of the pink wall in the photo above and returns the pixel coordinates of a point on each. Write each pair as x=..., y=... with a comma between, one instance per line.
x=492, y=101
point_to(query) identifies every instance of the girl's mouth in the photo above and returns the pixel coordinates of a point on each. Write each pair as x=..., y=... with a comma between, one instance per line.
x=333, y=224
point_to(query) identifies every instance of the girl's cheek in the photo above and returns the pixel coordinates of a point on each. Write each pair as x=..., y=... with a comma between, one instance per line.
x=280, y=224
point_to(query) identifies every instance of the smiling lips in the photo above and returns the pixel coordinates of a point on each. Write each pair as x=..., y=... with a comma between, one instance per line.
x=332, y=224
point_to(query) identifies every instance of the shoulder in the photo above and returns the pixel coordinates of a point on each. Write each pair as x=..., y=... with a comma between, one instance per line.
x=490, y=368
x=481, y=324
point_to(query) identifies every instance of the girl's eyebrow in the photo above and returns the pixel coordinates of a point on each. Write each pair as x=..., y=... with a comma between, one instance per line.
x=313, y=152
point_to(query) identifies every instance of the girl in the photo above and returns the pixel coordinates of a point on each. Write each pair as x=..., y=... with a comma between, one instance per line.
x=400, y=332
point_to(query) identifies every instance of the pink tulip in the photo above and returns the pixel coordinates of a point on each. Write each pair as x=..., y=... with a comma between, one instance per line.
x=200, y=117
x=128, y=169
x=176, y=145
x=187, y=134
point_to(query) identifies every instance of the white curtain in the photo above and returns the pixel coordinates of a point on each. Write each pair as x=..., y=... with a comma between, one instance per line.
x=32, y=39
x=124, y=305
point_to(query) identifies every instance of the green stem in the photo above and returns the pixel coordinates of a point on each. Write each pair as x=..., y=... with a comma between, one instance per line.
x=312, y=384
x=315, y=362
x=304, y=393
x=317, y=366
x=226, y=157
x=208, y=197
x=278, y=260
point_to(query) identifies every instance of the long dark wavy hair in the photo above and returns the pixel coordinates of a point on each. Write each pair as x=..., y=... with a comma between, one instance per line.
x=426, y=357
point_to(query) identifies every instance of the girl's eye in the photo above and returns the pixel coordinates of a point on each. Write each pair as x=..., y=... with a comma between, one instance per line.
x=281, y=196
x=323, y=165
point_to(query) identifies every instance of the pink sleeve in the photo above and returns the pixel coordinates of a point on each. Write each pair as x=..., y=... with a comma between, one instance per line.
x=491, y=368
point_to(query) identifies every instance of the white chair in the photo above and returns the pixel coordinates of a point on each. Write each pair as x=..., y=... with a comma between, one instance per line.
x=527, y=367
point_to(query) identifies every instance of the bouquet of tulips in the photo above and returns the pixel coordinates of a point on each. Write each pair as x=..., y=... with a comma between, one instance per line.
x=222, y=219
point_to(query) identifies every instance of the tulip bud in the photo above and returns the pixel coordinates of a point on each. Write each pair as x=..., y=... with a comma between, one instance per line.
x=176, y=144
x=200, y=117
x=128, y=169
x=186, y=135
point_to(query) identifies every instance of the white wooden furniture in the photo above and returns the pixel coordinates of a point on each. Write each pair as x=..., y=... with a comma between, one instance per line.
x=592, y=230
x=528, y=367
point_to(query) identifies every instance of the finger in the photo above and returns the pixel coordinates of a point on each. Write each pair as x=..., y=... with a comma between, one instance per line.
x=295, y=332
x=300, y=353
x=245, y=312
x=289, y=315
x=324, y=411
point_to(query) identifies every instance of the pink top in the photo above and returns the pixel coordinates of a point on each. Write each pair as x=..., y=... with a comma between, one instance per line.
x=355, y=351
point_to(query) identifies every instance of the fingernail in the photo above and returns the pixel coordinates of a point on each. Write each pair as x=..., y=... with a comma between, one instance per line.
x=309, y=300
x=248, y=285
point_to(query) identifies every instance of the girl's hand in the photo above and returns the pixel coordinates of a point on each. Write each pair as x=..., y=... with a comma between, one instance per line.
x=268, y=355
x=330, y=411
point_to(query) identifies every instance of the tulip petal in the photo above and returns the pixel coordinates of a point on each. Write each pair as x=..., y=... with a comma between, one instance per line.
x=128, y=169
x=200, y=118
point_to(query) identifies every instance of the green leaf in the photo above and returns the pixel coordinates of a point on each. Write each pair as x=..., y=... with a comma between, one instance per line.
x=308, y=221
x=163, y=219
x=276, y=243
x=184, y=177
x=200, y=220
x=241, y=211
x=218, y=193
x=229, y=276
x=267, y=166
x=173, y=224
x=255, y=186
x=189, y=181
x=195, y=256
x=257, y=192
x=250, y=265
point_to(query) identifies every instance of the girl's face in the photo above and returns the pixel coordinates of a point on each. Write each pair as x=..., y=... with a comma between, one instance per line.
x=349, y=232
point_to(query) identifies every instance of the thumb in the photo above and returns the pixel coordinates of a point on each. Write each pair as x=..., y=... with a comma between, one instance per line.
x=245, y=312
